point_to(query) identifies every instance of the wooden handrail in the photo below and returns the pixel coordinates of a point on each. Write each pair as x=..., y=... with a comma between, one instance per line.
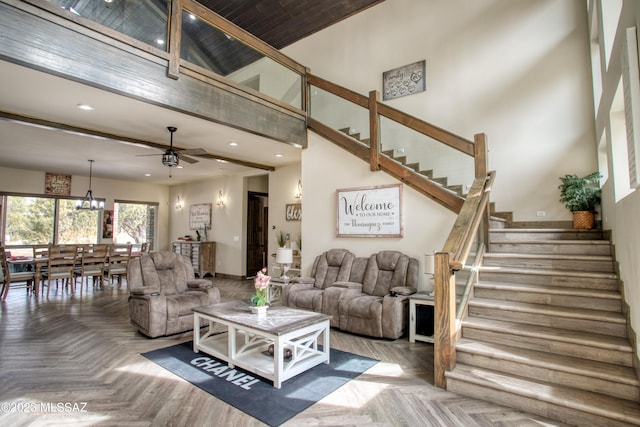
x=452, y=258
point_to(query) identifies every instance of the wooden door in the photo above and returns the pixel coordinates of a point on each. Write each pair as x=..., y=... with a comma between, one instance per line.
x=257, y=232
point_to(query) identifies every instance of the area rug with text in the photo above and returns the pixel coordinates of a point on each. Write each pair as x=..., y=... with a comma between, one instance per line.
x=254, y=395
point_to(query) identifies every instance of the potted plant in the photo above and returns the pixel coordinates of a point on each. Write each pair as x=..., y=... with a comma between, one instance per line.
x=580, y=196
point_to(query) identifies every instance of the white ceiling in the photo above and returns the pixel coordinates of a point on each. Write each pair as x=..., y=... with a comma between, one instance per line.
x=31, y=93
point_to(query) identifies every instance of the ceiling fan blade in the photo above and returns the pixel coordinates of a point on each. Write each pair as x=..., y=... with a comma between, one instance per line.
x=146, y=155
x=192, y=151
x=187, y=159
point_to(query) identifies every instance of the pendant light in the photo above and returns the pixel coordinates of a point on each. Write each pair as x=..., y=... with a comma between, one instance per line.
x=89, y=202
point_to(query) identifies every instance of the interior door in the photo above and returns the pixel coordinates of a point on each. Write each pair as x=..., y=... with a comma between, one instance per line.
x=257, y=232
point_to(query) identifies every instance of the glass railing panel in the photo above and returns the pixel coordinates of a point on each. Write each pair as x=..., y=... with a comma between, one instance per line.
x=204, y=45
x=145, y=21
x=338, y=113
x=434, y=158
x=468, y=276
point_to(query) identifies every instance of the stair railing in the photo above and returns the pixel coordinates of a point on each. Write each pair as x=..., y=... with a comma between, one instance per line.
x=470, y=231
x=369, y=150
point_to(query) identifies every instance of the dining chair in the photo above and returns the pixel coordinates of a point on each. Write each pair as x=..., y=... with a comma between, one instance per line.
x=92, y=264
x=60, y=266
x=7, y=277
x=118, y=262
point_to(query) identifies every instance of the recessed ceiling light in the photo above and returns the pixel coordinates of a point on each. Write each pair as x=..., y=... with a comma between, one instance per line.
x=179, y=166
x=278, y=155
x=221, y=161
x=233, y=144
x=85, y=107
x=147, y=174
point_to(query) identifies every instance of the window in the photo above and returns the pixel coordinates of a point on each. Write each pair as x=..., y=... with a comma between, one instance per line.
x=76, y=226
x=29, y=220
x=134, y=222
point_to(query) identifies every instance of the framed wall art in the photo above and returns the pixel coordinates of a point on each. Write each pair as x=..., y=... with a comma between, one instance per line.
x=370, y=211
x=200, y=216
x=404, y=81
x=293, y=212
x=57, y=183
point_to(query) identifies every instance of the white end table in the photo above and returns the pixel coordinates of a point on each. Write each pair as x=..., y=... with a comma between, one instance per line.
x=419, y=298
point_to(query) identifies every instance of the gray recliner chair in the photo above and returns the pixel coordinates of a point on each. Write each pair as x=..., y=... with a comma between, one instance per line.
x=329, y=267
x=163, y=290
x=375, y=302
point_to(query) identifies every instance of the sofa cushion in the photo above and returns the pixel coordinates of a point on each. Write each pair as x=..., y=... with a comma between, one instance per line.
x=331, y=266
x=385, y=270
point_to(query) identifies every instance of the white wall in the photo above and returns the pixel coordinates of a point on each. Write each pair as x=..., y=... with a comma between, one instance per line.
x=517, y=70
x=283, y=183
x=620, y=216
x=228, y=221
x=32, y=182
x=325, y=169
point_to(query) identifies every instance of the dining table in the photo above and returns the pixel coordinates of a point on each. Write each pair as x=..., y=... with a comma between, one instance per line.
x=36, y=264
x=33, y=264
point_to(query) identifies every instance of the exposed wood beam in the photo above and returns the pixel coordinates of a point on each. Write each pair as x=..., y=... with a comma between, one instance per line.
x=104, y=135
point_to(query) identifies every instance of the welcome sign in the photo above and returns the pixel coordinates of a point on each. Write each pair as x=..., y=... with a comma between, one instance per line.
x=370, y=212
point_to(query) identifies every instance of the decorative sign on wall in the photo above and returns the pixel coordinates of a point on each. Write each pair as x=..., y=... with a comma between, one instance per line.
x=404, y=81
x=293, y=212
x=57, y=183
x=370, y=212
x=200, y=216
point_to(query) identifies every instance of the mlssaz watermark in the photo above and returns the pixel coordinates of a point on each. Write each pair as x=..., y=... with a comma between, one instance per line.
x=43, y=407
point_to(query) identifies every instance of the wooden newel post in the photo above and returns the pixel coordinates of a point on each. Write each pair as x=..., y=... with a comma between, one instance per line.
x=444, y=283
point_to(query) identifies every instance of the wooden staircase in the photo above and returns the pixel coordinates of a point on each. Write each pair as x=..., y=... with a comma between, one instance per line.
x=545, y=331
x=427, y=174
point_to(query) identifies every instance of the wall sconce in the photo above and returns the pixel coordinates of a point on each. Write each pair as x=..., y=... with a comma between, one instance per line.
x=220, y=201
x=179, y=204
x=298, y=194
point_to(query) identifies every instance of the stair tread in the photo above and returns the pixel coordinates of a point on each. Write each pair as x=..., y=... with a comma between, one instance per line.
x=584, y=242
x=554, y=290
x=544, y=230
x=549, y=256
x=557, y=311
x=576, y=365
x=551, y=272
x=549, y=333
x=585, y=401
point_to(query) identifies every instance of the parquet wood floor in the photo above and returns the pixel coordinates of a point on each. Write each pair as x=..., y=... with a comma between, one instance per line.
x=75, y=360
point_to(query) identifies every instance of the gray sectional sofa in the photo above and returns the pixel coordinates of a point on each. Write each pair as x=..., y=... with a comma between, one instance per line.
x=367, y=296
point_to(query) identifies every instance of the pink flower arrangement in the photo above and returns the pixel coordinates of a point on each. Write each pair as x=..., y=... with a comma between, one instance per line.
x=261, y=284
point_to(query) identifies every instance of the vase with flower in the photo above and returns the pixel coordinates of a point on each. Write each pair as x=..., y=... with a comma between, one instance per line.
x=259, y=299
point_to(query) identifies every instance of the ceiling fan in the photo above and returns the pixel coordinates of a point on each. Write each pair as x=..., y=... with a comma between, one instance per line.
x=171, y=157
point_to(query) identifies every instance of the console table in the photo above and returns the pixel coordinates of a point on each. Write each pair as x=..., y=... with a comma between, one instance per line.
x=201, y=254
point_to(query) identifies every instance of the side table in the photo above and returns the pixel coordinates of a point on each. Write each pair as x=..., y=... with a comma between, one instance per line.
x=274, y=293
x=421, y=317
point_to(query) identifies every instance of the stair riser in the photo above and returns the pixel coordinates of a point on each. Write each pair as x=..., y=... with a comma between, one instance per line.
x=600, y=266
x=554, y=376
x=548, y=248
x=571, y=324
x=556, y=347
x=559, y=280
x=508, y=234
x=613, y=305
x=534, y=406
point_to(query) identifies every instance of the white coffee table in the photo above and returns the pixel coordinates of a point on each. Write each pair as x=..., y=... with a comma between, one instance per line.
x=248, y=336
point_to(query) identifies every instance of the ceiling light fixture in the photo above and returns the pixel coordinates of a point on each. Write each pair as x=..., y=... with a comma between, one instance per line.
x=170, y=158
x=233, y=144
x=278, y=155
x=85, y=107
x=89, y=202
